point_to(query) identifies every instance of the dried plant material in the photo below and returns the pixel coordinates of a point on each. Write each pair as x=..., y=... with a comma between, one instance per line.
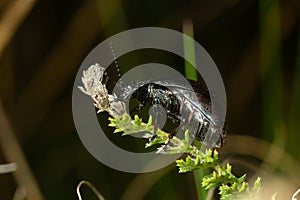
x=94, y=87
x=8, y=168
x=296, y=194
x=92, y=81
x=99, y=196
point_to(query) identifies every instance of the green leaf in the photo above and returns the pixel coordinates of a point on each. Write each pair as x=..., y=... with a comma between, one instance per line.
x=185, y=165
x=257, y=185
x=230, y=186
x=118, y=130
x=149, y=121
x=137, y=121
x=154, y=142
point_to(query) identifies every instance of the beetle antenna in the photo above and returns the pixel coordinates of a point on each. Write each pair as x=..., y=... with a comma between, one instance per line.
x=121, y=85
x=115, y=61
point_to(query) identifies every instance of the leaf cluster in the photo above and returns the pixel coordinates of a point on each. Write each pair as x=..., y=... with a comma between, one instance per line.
x=221, y=177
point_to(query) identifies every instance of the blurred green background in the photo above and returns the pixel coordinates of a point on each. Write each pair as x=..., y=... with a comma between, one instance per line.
x=255, y=44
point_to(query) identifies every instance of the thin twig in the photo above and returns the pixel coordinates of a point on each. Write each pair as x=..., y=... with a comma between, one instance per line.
x=295, y=194
x=13, y=153
x=14, y=15
x=99, y=196
x=7, y=168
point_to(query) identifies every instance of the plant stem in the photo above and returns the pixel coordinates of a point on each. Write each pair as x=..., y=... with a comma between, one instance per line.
x=198, y=175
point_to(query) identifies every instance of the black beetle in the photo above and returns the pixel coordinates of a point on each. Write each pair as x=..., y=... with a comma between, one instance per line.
x=189, y=104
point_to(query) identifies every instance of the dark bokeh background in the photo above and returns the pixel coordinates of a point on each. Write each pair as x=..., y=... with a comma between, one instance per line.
x=255, y=45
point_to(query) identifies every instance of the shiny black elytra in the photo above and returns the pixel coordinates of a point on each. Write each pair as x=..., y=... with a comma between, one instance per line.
x=190, y=104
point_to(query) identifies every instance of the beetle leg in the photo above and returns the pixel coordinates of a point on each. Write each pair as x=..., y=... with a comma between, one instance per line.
x=156, y=120
x=155, y=129
x=183, y=126
x=175, y=119
x=171, y=135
